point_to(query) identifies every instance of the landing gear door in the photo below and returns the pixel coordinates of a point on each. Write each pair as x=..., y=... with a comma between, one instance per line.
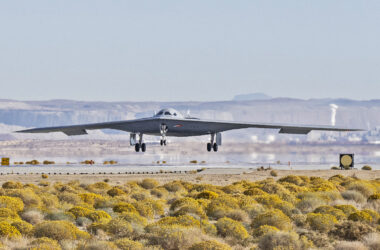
x=132, y=139
x=219, y=139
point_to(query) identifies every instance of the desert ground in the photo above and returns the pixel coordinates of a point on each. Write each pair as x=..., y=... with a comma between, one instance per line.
x=214, y=176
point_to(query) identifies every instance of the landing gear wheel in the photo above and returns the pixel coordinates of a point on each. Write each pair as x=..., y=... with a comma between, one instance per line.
x=209, y=147
x=137, y=147
x=162, y=142
x=165, y=142
x=143, y=147
x=215, y=147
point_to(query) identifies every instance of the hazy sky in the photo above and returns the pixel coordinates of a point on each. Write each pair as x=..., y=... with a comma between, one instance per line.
x=188, y=50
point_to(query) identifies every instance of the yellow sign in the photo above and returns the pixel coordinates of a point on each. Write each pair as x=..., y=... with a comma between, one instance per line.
x=4, y=161
x=346, y=160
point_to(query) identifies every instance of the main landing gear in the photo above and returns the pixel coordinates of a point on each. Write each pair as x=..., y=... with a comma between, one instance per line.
x=212, y=145
x=140, y=145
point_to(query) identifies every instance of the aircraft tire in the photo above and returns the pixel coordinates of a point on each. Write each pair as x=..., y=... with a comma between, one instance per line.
x=165, y=142
x=143, y=147
x=162, y=142
x=137, y=147
x=209, y=147
x=215, y=147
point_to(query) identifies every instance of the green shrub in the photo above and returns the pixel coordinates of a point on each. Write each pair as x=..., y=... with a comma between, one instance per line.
x=149, y=183
x=174, y=186
x=353, y=195
x=134, y=219
x=321, y=222
x=254, y=191
x=209, y=245
x=364, y=188
x=127, y=244
x=119, y=228
x=292, y=179
x=9, y=231
x=275, y=218
x=351, y=230
x=273, y=173
x=366, y=167
x=280, y=240
x=12, y=185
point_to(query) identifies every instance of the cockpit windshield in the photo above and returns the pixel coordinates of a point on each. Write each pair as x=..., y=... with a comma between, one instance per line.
x=169, y=112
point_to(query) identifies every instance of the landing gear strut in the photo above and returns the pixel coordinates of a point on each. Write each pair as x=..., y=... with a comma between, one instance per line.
x=163, y=131
x=140, y=145
x=212, y=144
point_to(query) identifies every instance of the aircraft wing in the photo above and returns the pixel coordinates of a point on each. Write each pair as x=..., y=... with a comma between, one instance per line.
x=129, y=126
x=220, y=126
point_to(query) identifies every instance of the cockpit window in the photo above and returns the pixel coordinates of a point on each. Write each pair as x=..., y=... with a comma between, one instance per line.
x=167, y=113
x=160, y=113
x=175, y=114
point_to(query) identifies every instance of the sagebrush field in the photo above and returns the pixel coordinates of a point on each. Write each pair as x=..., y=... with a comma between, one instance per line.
x=292, y=212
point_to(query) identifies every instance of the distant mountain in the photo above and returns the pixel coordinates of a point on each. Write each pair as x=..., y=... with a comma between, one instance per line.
x=251, y=97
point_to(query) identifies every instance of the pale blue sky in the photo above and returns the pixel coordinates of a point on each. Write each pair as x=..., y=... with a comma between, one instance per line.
x=188, y=50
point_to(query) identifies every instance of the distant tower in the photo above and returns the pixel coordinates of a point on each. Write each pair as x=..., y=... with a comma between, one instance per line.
x=333, y=108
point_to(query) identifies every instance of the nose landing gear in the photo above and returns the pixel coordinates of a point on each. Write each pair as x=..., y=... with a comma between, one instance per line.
x=163, y=131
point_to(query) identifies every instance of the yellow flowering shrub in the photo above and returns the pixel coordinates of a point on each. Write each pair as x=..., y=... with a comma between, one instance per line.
x=346, y=209
x=6, y=213
x=374, y=197
x=275, y=218
x=44, y=243
x=321, y=222
x=264, y=229
x=337, y=213
x=220, y=206
x=210, y=245
x=360, y=216
x=13, y=203
x=122, y=207
x=23, y=227
x=90, y=198
x=99, y=215
x=134, y=219
x=80, y=211
x=58, y=230
x=375, y=215
x=127, y=244
x=207, y=195
x=254, y=191
x=231, y=228
x=7, y=230
x=115, y=191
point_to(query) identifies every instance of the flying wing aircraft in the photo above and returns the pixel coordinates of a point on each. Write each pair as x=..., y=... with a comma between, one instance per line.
x=170, y=122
